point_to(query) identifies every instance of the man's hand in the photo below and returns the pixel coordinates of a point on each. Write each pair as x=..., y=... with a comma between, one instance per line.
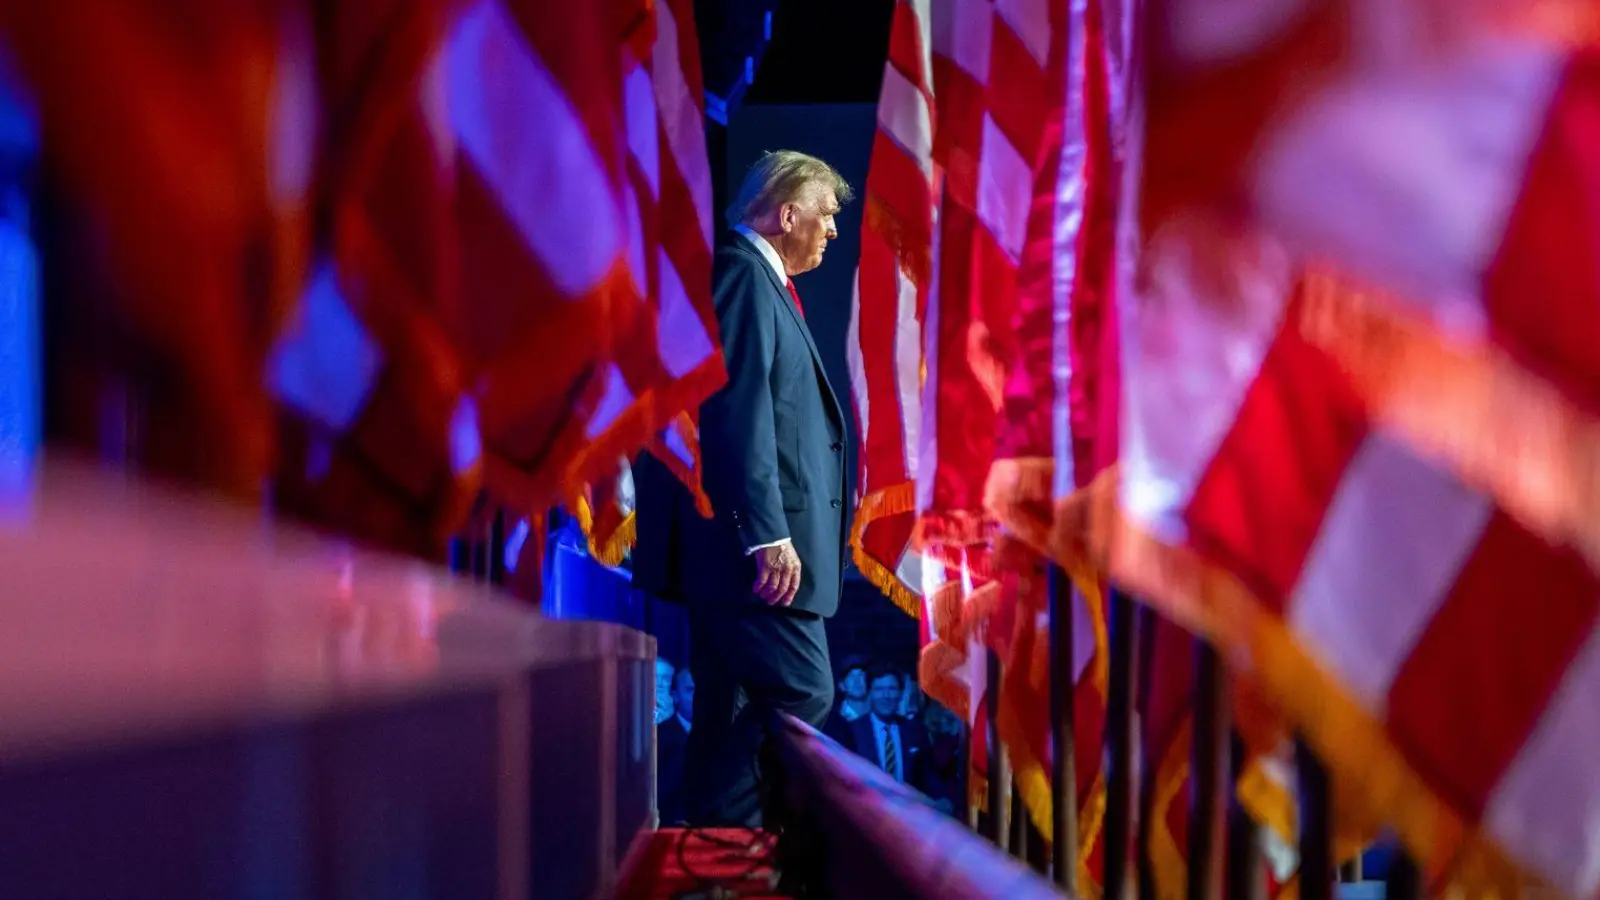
x=777, y=574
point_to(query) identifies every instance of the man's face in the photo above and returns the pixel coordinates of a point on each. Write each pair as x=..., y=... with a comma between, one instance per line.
x=663, y=689
x=683, y=694
x=854, y=684
x=809, y=225
x=885, y=696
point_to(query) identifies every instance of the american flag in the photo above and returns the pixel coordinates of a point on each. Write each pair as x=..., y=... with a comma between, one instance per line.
x=884, y=344
x=962, y=224
x=196, y=208
x=993, y=88
x=462, y=289
x=476, y=318
x=671, y=359
x=1372, y=503
x=1047, y=432
x=535, y=150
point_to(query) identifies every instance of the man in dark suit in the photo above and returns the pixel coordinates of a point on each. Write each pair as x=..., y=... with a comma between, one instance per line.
x=850, y=702
x=672, y=738
x=898, y=746
x=760, y=576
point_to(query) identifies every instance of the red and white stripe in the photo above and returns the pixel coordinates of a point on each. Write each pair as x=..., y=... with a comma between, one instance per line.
x=671, y=360
x=995, y=91
x=1440, y=571
x=686, y=327
x=958, y=184
x=521, y=181
x=884, y=343
x=214, y=129
x=997, y=74
x=502, y=251
x=671, y=241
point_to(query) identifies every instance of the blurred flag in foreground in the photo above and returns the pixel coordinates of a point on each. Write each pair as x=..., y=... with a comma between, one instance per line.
x=1360, y=414
x=380, y=256
x=671, y=359
x=1057, y=423
x=974, y=201
x=997, y=87
x=183, y=230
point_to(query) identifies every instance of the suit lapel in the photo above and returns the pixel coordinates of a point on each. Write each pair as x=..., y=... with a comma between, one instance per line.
x=794, y=314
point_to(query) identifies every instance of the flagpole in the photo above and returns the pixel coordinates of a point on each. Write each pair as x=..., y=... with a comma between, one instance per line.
x=1120, y=747
x=1063, y=761
x=997, y=775
x=1209, y=768
x=1316, y=826
x=497, y=548
x=1244, y=870
x=1404, y=879
x=1144, y=662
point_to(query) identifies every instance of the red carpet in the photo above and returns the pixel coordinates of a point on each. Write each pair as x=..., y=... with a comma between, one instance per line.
x=715, y=862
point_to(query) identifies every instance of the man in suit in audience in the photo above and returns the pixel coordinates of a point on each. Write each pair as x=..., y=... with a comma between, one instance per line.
x=850, y=702
x=672, y=738
x=763, y=573
x=664, y=675
x=899, y=746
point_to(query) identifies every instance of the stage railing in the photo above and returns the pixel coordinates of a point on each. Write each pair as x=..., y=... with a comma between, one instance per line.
x=198, y=703
x=1224, y=847
x=850, y=831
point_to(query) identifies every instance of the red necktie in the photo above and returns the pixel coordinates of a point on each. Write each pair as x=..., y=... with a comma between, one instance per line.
x=796, y=295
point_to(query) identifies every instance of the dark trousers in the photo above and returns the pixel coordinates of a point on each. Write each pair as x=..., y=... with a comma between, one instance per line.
x=749, y=662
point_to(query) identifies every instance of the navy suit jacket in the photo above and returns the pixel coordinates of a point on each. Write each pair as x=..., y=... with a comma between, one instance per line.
x=913, y=747
x=772, y=447
x=672, y=739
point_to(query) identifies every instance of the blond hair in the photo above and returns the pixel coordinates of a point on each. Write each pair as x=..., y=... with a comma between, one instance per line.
x=779, y=177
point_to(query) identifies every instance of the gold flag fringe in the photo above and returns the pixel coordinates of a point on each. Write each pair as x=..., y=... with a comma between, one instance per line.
x=607, y=549
x=895, y=500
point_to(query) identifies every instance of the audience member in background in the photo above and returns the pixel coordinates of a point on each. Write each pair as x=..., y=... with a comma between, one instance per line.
x=683, y=698
x=911, y=701
x=672, y=737
x=899, y=746
x=946, y=768
x=850, y=700
x=664, y=673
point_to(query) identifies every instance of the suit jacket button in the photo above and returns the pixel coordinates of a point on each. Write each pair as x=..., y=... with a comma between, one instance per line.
x=836, y=503
x=837, y=446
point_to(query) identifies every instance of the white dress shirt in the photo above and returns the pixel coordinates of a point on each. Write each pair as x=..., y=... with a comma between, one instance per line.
x=770, y=254
x=767, y=251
